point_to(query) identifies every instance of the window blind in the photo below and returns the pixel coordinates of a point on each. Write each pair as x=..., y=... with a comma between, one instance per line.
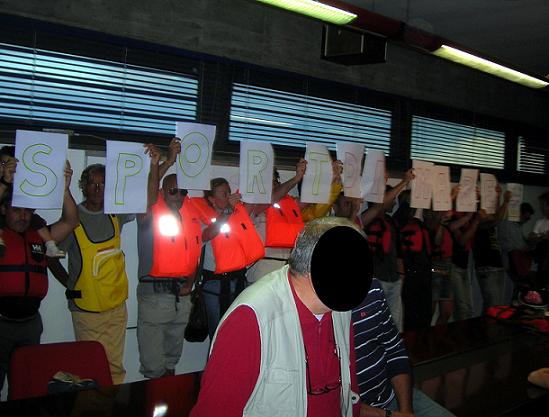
x=39, y=85
x=453, y=143
x=291, y=119
x=533, y=156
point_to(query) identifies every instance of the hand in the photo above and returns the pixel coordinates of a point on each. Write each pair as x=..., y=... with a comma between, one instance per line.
x=9, y=169
x=409, y=175
x=337, y=170
x=174, y=149
x=68, y=175
x=454, y=192
x=498, y=190
x=300, y=169
x=153, y=152
x=507, y=196
x=186, y=288
x=234, y=199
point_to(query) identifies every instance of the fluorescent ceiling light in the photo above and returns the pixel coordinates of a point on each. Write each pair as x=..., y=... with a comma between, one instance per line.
x=484, y=65
x=314, y=9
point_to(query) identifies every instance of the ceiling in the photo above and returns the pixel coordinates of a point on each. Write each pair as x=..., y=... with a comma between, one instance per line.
x=512, y=32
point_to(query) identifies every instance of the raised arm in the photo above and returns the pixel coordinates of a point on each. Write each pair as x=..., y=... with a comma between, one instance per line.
x=69, y=216
x=174, y=149
x=282, y=189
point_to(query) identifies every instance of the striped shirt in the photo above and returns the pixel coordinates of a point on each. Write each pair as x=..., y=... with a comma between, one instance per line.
x=380, y=351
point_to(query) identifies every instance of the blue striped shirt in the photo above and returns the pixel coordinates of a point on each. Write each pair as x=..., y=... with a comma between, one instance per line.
x=380, y=351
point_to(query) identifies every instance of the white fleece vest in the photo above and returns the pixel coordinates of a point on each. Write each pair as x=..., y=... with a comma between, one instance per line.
x=281, y=388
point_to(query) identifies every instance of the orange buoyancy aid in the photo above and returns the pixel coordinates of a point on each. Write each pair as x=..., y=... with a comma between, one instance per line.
x=176, y=252
x=444, y=250
x=379, y=235
x=23, y=268
x=414, y=237
x=284, y=223
x=236, y=248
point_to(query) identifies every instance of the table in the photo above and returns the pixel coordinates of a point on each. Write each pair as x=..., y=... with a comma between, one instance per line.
x=478, y=367
x=162, y=397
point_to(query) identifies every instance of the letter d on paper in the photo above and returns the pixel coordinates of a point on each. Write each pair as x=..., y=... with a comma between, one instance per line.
x=49, y=179
x=128, y=165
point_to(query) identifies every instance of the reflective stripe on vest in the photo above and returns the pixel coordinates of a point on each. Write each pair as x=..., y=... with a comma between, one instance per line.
x=23, y=269
x=102, y=281
x=237, y=248
x=284, y=223
x=178, y=255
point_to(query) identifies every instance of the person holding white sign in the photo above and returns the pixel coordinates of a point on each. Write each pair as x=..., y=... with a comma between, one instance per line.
x=231, y=244
x=97, y=285
x=487, y=254
x=23, y=269
x=169, y=245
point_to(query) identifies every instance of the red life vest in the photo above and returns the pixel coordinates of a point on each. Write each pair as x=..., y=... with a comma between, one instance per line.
x=284, y=223
x=414, y=237
x=175, y=256
x=23, y=268
x=445, y=249
x=238, y=248
x=379, y=235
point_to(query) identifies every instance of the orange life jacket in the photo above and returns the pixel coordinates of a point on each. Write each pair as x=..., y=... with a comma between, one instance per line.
x=175, y=256
x=284, y=223
x=379, y=235
x=23, y=268
x=414, y=237
x=238, y=248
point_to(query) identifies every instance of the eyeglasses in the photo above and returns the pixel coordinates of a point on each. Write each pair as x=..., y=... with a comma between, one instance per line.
x=97, y=185
x=174, y=191
x=328, y=387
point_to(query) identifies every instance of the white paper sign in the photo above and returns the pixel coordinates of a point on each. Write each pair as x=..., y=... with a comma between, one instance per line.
x=195, y=160
x=513, y=209
x=256, y=171
x=488, y=195
x=373, y=177
x=442, y=199
x=126, y=175
x=318, y=176
x=39, y=181
x=422, y=188
x=351, y=155
x=467, y=197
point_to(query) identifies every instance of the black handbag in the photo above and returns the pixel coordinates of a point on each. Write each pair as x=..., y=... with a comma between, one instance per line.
x=197, y=326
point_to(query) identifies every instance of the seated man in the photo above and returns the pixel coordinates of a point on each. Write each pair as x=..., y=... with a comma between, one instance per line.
x=382, y=365
x=285, y=342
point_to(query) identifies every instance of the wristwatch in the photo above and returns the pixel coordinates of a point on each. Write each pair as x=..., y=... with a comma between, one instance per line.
x=388, y=413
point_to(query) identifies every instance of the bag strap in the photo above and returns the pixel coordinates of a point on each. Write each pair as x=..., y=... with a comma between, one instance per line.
x=199, y=281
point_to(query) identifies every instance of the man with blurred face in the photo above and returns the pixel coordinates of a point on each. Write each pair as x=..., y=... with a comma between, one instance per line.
x=285, y=344
x=169, y=244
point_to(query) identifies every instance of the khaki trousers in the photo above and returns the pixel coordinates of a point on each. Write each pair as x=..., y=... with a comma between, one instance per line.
x=108, y=328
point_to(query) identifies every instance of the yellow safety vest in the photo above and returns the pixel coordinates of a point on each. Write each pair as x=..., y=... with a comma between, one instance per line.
x=103, y=282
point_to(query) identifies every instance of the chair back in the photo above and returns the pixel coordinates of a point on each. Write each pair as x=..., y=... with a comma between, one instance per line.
x=32, y=367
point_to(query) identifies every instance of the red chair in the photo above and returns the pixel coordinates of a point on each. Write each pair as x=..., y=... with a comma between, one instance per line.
x=32, y=367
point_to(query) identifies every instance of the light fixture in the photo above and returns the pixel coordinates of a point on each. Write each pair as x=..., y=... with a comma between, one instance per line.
x=481, y=64
x=314, y=9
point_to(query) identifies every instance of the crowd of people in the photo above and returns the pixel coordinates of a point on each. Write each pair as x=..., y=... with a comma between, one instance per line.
x=295, y=319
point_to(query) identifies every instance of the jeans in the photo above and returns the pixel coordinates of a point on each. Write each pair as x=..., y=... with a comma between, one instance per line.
x=393, y=295
x=423, y=405
x=490, y=281
x=463, y=293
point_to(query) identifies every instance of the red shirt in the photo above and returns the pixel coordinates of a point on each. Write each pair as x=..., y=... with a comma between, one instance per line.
x=233, y=367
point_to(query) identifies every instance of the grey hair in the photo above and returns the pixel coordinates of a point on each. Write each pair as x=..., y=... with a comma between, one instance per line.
x=302, y=253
